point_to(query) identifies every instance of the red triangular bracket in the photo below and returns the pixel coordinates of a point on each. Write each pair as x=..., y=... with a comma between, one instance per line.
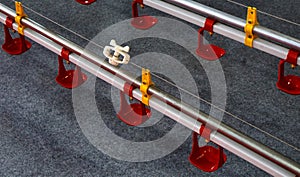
x=69, y=78
x=133, y=114
x=208, y=51
x=15, y=46
x=206, y=158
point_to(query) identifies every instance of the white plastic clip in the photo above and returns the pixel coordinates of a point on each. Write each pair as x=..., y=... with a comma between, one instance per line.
x=118, y=50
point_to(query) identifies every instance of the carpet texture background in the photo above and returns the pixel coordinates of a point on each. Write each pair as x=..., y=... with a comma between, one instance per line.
x=39, y=133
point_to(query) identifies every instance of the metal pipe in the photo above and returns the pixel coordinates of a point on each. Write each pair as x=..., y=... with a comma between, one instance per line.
x=234, y=34
x=155, y=103
x=187, y=109
x=248, y=155
x=233, y=21
x=219, y=28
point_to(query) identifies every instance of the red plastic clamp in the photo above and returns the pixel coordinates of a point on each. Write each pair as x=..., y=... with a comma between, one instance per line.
x=292, y=57
x=65, y=53
x=128, y=89
x=205, y=132
x=209, y=25
x=9, y=22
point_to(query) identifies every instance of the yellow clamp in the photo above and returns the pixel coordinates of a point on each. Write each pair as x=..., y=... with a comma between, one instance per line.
x=20, y=14
x=250, y=24
x=146, y=83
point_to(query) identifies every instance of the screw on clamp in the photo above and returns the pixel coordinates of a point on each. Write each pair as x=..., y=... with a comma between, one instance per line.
x=120, y=54
x=20, y=14
x=146, y=83
x=250, y=24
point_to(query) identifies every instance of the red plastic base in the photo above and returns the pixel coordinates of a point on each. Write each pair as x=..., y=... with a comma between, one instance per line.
x=210, y=52
x=290, y=84
x=67, y=79
x=207, y=158
x=133, y=114
x=144, y=22
x=15, y=46
x=86, y=2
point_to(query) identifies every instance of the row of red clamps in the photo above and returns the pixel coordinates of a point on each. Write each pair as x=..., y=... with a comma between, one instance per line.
x=207, y=158
x=17, y=46
x=289, y=84
x=205, y=51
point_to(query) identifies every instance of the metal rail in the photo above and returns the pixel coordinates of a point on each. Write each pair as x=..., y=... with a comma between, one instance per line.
x=260, y=44
x=224, y=130
x=233, y=21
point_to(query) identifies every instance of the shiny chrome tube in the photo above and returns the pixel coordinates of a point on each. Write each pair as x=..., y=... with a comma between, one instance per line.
x=233, y=21
x=260, y=44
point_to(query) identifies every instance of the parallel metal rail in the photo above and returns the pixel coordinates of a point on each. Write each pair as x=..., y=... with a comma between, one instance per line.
x=236, y=22
x=227, y=31
x=234, y=141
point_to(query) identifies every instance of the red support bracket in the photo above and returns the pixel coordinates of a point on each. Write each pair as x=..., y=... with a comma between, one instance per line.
x=135, y=11
x=208, y=51
x=86, y=2
x=69, y=78
x=15, y=46
x=141, y=22
x=133, y=114
x=290, y=83
x=206, y=158
x=209, y=25
x=65, y=54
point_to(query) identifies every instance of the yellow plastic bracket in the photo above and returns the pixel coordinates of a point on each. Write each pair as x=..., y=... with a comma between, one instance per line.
x=146, y=83
x=250, y=24
x=20, y=14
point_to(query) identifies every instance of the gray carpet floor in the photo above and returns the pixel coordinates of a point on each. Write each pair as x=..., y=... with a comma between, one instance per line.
x=39, y=133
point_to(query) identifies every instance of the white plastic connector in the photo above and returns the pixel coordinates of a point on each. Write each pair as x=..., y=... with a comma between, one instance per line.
x=118, y=50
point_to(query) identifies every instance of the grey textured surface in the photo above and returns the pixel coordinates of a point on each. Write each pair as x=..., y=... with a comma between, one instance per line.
x=39, y=134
